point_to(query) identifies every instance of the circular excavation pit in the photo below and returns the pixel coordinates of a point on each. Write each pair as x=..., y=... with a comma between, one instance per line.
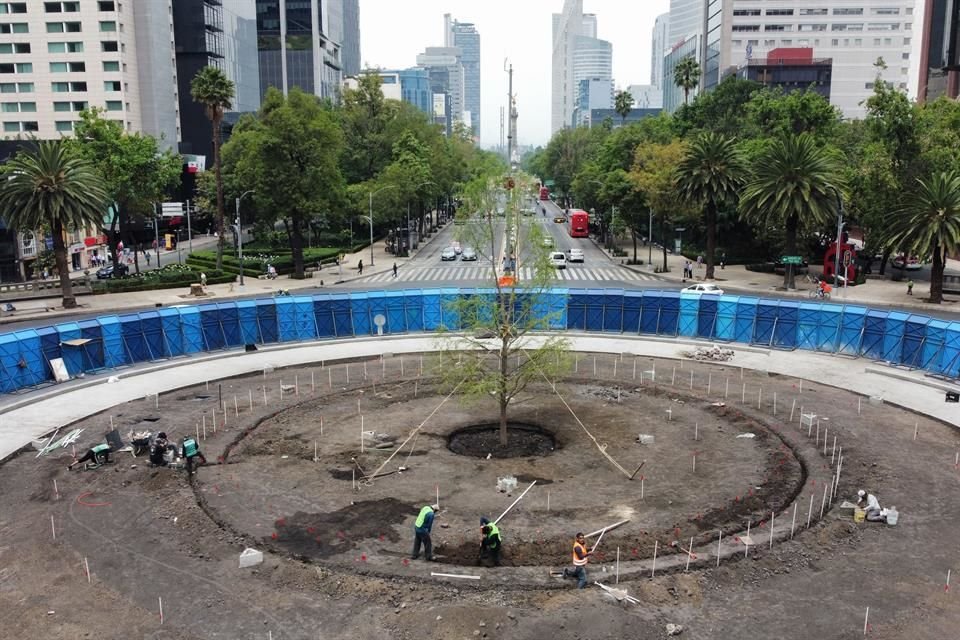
x=483, y=441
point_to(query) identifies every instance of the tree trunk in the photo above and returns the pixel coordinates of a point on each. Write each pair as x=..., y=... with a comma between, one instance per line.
x=790, y=249
x=711, y=220
x=60, y=255
x=884, y=258
x=296, y=246
x=633, y=233
x=221, y=240
x=502, y=391
x=936, y=275
x=663, y=241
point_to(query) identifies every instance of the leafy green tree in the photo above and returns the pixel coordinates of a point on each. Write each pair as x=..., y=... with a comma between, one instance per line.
x=654, y=172
x=567, y=153
x=720, y=110
x=686, y=75
x=709, y=176
x=364, y=119
x=215, y=91
x=794, y=185
x=53, y=188
x=775, y=113
x=289, y=155
x=492, y=351
x=623, y=105
x=134, y=172
x=929, y=225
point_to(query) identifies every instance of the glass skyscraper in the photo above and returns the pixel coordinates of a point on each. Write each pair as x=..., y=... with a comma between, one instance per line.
x=464, y=36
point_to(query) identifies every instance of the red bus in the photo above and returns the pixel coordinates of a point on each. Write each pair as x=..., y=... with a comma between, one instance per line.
x=544, y=193
x=578, y=223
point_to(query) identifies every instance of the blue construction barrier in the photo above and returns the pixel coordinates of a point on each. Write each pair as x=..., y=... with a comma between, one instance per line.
x=108, y=342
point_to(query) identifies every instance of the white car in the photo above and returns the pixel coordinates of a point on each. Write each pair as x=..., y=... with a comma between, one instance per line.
x=558, y=259
x=711, y=289
x=448, y=254
x=468, y=254
x=576, y=255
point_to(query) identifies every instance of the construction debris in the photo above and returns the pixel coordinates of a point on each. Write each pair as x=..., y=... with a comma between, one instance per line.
x=674, y=629
x=250, y=558
x=645, y=438
x=620, y=595
x=714, y=353
x=506, y=484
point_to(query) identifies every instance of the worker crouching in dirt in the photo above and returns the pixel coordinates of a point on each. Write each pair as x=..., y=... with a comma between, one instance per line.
x=874, y=512
x=490, y=543
x=421, y=533
x=580, y=558
x=98, y=455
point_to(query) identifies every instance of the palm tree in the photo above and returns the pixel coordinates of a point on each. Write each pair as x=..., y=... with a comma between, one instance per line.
x=52, y=187
x=623, y=104
x=793, y=186
x=709, y=175
x=214, y=90
x=686, y=75
x=929, y=224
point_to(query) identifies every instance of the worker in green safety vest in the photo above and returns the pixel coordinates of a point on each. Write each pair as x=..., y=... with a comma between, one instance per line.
x=490, y=542
x=421, y=532
x=191, y=450
x=99, y=454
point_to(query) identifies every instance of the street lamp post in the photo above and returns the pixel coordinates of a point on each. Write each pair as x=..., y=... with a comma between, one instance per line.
x=240, y=232
x=370, y=217
x=836, y=269
x=650, y=239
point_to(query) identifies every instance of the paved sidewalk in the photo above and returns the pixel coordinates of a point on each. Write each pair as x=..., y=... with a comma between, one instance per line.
x=28, y=417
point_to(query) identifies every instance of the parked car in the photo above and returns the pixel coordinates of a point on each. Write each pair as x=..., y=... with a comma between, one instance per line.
x=468, y=254
x=448, y=254
x=108, y=272
x=558, y=259
x=711, y=289
x=576, y=255
x=910, y=264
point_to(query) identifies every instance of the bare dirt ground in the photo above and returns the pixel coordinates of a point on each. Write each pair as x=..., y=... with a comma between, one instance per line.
x=336, y=544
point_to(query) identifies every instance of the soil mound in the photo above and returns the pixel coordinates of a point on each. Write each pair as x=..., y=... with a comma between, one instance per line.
x=482, y=440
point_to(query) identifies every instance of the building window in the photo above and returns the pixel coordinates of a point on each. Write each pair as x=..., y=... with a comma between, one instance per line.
x=108, y=25
x=61, y=106
x=28, y=107
x=848, y=12
x=883, y=26
x=64, y=126
x=8, y=87
x=813, y=12
x=63, y=27
x=812, y=27
x=778, y=27
x=109, y=45
x=906, y=41
x=60, y=87
x=13, y=7
x=10, y=107
x=62, y=7
x=848, y=26
x=78, y=86
x=111, y=65
x=71, y=67
x=885, y=11
x=14, y=47
x=14, y=27
x=779, y=12
x=106, y=5
x=24, y=67
x=746, y=12
x=111, y=85
x=746, y=27
x=876, y=42
x=11, y=127
x=114, y=105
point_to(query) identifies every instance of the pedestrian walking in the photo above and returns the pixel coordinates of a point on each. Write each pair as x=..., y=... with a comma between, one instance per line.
x=699, y=262
x=490, y=543
x=723, y=260
x=394, y=269
x=580, y=559
x=360, y=267
x=146, y=254
x=421, y=533
x=910, y=287
x=191, y=450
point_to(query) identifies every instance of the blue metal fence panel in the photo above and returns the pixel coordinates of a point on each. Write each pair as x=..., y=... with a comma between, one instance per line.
x=632, y=307
x=613, y=310
x=33, y=368
x=415, y=308
x=377, y=306
x=950, y=359
x=230, y=322
x=725, y=327
x=213, y=334
x=49, y=342
x=594, y=312
x=9, y=363
x=558, y=308
x=114, y=350
x=689, y=312
x=152, y=328
x=914, y=338
x=874, y=326
x=577, y=310
x=247, y=321
x=650, y=313
x=852, y=326
x=93, y=350
x=305, y=319
x=286, y=318
x=808, y=325
x=267, y=321
x=746, y=319
x=828, y=331
x=707, y=316
x=396, y=313
x=669, y=313
x=766, y=322
x=432, y=309
x=190, y=324
x=893, y=336
x=785, y=331
x=933, y=345
x=360, y=314
x=133, y=338
x=72, y=356
x=323, y=316
x=449, y=312
x=341, y=307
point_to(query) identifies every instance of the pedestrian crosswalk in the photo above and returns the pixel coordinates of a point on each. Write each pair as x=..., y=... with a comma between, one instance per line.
x=477, y=273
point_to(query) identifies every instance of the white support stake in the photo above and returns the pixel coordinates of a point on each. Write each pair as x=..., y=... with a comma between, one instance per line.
x=281, y=389
x=53, y=528
x=86, y=567
x=719, y=540
x=772, y=516
x=726, y=389
x=250, y=398
x=653, y=570
x=453, y=575
x=361, y=434
x=617, y=579
x=792, y=407
x=689, y=556
x=313, y=383
x=866, y=621
x=810, y=511
x=160, y=602
x=793, y=522
x=743, y=394
x=709, y=382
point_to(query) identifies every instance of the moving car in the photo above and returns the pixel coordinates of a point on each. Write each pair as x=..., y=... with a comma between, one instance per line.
x=711, y=289
x=576, y=255
x=108, y=272
x=448, y=254
x=910, y=264
x=558, y=260
x=468, y=254
x=457, y=248
x=548, y=241
x=560, y=219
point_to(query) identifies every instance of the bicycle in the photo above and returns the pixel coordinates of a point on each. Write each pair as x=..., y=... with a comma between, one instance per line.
x=819, y=293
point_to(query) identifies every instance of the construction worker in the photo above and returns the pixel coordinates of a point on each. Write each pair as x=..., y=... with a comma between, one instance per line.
x=158, y=449
x=490, y=542
x=874, y=512
x=99, y=454
x=421, y=533
x=580, y=558
x=191, y=450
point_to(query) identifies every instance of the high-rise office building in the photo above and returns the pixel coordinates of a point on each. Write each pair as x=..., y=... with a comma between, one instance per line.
x=198, y=35
x=939, y=50
x=350, y=47
x=446, y=78
x=592, y=93
x=577, y=55
x=661, y=44
x=464, y=36
x=298, y=45
x=686, y=19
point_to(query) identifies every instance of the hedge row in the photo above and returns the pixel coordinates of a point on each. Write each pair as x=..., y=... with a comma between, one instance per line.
x=142, y=284
x=205, y=264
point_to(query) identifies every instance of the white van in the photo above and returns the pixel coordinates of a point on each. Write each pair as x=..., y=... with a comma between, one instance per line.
x=558, y=259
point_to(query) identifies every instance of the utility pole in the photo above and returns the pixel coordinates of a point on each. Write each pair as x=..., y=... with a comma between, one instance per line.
x=512, y=114
x=650, y=240
x=156, y=232
x=189, y=230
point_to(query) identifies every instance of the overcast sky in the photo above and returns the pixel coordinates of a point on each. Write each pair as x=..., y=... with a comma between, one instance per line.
x=392, y=33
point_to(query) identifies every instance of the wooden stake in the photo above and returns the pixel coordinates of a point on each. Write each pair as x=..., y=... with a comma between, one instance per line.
x=759, y=397
x=296, y=385
x=250, y=398
x=691, y=379
x=726, y=389
x=618, y=570
x=313, y=384
x=709, y=382
x=641, y=487
x=859, y=401
x=594, y=366
x=160, y=602
x=801, y=385
x=264, y=395
x=615, y=369
x=673, y=378
x=746, y=543
x=415, y=388
x=834, y=451
x=866, y=621
x=653, y=570
x=696, y=431
x=315, y=458
x=689, y=555
x=401, y=366
x=793, y=522
x=281, y=389
x=364, y=369
x=361, y=434
x=330, y=378
x=792, y=407
x=321, y=424
x=236, y=406
x=348, y=370
x=772, y=514
x=420, y=371
x=548, y=502
x=916, y=430
x=823, y=503
x=826, y=430
x=743, y=394
x=774, y=403
x=203, y=418
x=56, y=492
x=718, y=546
x=810, y=511
x=694, y=462
x=53, y=528
x=634, y=377
x=86, y=567
x=213, y=419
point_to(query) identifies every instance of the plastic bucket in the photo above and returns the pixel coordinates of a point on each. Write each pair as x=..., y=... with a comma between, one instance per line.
x=859, y=515
x=892, y=516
